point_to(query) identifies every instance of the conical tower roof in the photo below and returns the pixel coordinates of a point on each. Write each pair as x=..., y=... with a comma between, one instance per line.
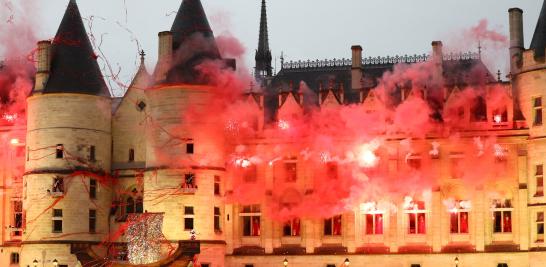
x=539, y=38
x=74, y=67
x=193, y=43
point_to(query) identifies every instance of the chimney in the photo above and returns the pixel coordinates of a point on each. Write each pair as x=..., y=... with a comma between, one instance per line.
x=165, y=55
x=437, y=59
x=516, y=38
x=356, y=67
x=43, y=65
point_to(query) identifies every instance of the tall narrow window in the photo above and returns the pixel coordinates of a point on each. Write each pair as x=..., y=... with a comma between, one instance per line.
x=139, y=205
x=537, y=111
x=502, y=216
x=92, y=156
x=57, y=220
x=539, y=178
x=251, y=220
x=416, y=218
x=189, y=148
x=217, y=217
x=14, y=258
x=217, y=182
x=59, y=151
x=92, y=188
x=131, y=155
x=188, y=218
x=459, y=218
x=332, y=226
x=17, y=218
x=92, y=221
x=292, y=227
x=291, y=170
x=540, y=226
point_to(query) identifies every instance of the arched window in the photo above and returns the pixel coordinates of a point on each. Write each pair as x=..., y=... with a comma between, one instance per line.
x=479, y=110
x=130, y=205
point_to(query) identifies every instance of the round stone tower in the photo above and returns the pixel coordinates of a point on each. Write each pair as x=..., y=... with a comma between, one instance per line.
x=185, y=165
x=67, y=194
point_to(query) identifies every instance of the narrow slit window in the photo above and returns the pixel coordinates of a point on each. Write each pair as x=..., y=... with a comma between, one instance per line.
x=59, y=151
x=217, y=226
x=57, y=220
x=92, y=188
x=131, y=155
x=537, y=111
x=92, y=156
x=188, y=218
x=92, y=221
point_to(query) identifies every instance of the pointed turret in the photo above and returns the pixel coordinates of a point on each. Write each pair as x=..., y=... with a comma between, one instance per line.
x=74, y=67
x=192, y=43
x=263, y=54
x=539, y=38
x=142, y=78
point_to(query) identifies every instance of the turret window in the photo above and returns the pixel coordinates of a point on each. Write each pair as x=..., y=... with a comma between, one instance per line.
x=131, y=155
x=537, y=111
x=92, y=151
x=92, y=188
x=540, y=226
x=332, y=226
x=59, y=151
x=57, y=220
x=92, y=221
x=217, y=226
x=58, y=186
x=189, y=148
x=188, y=218
x=17, y=222
x=217, y=187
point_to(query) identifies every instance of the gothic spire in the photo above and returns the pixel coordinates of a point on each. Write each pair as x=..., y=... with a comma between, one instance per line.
x=539, y=38
x=263, y=54
x=74, y=67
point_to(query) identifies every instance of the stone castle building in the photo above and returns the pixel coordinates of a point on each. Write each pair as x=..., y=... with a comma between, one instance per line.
x=84, y=178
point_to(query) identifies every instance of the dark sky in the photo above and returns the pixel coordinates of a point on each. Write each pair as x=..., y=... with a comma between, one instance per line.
x=302, y=29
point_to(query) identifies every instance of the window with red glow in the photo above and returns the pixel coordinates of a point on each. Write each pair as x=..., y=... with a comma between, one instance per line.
x=217, y=187
x=414, y=161
x=292, y=227
x=456, y=165
x=331, y=170
x=417, y=218
x=459, y=219
x=502, y=216
x=251, y=220
x=500, y=115
x=291, y=170
x=17, y=218
x=539, y=178
x=374, y=223
x=332, y=226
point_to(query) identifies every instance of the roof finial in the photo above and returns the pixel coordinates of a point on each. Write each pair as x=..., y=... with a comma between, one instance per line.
x=142, y=55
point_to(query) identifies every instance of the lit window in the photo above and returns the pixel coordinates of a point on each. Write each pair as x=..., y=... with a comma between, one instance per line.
x=59, y=151
x=537, y=111
x=502, y=216
x=92, y=221
x=92, y=188
x=332, y=226
x=374, y=223
x=188, y=218
x=459, y=219
x=57, y=221
x=292, y=227
x=540, y=226
x=217, y=217
x=251, y=220
x=217, y=187
x=539, y=178
x=416, y=217
x=291, y=170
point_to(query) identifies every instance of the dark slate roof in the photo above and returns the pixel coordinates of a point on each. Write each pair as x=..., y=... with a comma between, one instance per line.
x=456, y=73
x=539, y=38
x=74, y=67
x=193, y=42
